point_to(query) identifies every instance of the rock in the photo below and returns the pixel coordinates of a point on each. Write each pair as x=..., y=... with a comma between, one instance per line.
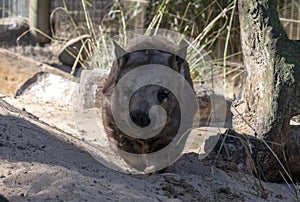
x=48, y=87
x=70, y=51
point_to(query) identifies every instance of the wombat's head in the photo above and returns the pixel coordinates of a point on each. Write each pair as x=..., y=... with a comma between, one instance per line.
x=145, y=51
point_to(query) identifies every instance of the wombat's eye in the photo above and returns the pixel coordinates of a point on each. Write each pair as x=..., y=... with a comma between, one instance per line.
x=162, y=95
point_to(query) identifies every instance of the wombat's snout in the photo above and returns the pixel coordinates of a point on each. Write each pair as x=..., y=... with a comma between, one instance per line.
x=140, y=118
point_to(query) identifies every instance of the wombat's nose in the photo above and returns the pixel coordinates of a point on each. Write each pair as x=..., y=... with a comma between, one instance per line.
x=140, y=118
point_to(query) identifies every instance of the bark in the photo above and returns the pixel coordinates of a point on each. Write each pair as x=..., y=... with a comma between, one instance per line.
x=271, y=88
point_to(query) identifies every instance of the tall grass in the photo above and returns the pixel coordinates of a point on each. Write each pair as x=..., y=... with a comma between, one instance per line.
x=204, y=23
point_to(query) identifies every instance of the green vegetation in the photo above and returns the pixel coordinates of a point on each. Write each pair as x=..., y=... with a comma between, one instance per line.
x=209, y=26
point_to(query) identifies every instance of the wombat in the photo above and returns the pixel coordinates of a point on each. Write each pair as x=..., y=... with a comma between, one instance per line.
x=145, y=50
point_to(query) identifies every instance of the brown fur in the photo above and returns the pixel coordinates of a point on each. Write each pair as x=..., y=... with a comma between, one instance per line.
x=144, y=98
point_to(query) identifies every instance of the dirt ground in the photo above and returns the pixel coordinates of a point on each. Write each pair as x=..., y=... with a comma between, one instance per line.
x=48, y=162
x=43, y=158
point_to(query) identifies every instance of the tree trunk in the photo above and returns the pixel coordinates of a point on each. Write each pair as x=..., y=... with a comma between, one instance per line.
x=39, y=20
x=271, y=88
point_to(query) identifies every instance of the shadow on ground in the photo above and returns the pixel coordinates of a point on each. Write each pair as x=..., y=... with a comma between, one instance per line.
x=38, y=165
x=40, y=160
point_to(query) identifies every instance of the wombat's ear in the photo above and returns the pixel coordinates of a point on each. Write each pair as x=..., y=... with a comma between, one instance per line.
x=120, y=54
x=182, y=52
x=119, y=51
x=177, y=61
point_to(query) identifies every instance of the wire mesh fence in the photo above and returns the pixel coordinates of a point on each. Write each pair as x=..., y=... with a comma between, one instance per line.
x=108, y=12
x=11, y=8
x=289, y=12
x=62, y=23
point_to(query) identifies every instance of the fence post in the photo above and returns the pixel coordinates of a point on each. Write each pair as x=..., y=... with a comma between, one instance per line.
x=39, y=20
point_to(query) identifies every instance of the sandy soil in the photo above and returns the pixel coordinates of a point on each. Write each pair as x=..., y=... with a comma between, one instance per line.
x=41, y=163
x=44, y=158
